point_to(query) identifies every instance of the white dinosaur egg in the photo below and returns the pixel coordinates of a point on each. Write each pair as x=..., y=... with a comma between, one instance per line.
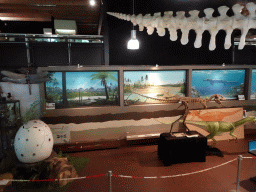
x=33, y=142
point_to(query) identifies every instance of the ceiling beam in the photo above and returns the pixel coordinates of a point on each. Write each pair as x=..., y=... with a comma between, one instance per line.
x=85, y=15
x=50, y=2
x=26, y=14
x=101, y=17
x=24, y=17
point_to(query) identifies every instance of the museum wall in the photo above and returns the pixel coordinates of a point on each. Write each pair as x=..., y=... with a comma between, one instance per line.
x=21, y=92
x=113, y=122
x=43, y=54
x=117, y=122
x=247, y=55
x=97, y=123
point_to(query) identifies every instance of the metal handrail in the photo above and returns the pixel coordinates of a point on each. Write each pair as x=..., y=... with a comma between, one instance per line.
x=23, y=38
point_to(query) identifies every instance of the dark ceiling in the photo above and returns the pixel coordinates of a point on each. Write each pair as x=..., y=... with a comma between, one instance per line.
x=88, y=18
x=20, y=16
x=31, y=16
x=161, y=50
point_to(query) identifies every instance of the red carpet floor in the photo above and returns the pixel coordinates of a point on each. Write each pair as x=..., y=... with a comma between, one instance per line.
x=142, y=161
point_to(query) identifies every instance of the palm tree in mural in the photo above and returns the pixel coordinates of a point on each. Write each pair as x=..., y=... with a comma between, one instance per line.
x=146, y=79
x=52, y=89
x=104, y=76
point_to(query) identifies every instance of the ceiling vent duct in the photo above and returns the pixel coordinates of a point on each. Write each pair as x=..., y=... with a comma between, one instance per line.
x=65, y=27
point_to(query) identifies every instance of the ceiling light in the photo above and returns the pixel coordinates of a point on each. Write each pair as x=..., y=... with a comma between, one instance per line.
x=92, y=2
x=133, y=43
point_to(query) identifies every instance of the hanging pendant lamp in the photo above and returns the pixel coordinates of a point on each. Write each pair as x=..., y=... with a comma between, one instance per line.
x=133, y=43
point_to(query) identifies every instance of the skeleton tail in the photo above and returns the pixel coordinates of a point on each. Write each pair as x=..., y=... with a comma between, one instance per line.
x=199, y=25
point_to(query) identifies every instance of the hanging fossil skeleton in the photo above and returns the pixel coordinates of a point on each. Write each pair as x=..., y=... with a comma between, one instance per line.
x=199, y=25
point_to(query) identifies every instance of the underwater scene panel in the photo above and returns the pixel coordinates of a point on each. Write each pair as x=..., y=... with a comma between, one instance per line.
x=253, y=84
x=154, y=85
x=228, y=83
x=95, y=88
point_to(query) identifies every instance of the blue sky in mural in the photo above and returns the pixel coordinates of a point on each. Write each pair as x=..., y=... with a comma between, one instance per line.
x=157, y=77
x=58, y=77
x=77, y=80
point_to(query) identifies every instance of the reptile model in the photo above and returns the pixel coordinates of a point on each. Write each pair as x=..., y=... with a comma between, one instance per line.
x=215, y=128
x=184, y=102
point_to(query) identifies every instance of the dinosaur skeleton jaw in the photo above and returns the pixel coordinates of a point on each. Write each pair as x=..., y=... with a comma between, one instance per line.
x=199, y=25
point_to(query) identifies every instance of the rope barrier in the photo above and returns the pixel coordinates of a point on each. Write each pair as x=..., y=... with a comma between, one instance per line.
x=249, y=157
x=5, y=181
x=50, y=180
x=184, y=174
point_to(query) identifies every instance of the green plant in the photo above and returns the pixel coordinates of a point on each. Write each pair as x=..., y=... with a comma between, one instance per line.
x=182, y=88
x=77, y=162
x=34, y=112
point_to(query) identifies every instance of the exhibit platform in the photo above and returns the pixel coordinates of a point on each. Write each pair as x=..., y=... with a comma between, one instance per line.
x=182, y=149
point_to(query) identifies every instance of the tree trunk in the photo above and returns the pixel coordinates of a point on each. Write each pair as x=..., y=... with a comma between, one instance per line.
x=106, y=90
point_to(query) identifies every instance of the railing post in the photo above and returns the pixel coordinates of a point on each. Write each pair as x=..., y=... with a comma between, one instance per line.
x=240, y=157
x=109, y=181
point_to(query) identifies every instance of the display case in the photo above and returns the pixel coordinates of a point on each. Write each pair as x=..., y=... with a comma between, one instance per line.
x=9, y=124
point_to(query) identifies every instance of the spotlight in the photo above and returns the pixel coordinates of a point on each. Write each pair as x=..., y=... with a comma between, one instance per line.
x=133, y=43
x=92, y=2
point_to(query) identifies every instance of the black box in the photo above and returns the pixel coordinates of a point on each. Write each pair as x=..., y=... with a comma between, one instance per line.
x=173, y=150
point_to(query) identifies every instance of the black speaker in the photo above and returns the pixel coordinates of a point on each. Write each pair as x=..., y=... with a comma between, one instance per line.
x=173, y=150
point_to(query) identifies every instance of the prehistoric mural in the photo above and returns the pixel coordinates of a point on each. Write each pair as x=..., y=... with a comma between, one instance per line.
x=80, y=89
x=253, y=84
x=157, y=84
x=228, y=83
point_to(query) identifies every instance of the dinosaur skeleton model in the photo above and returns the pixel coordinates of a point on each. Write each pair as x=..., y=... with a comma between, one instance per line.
x=184, y=102
x=199, y=25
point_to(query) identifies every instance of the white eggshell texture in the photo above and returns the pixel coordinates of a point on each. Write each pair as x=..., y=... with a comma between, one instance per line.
x=33, y=142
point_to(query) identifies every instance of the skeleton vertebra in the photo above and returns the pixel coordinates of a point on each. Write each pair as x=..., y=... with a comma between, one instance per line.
x=209, y=23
